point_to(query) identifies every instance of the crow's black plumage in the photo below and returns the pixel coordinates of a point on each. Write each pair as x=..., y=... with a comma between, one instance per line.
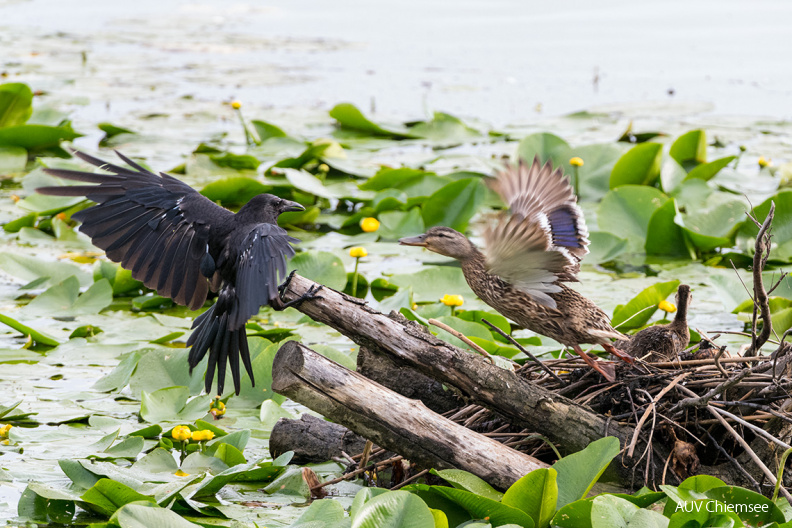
x=181, y=244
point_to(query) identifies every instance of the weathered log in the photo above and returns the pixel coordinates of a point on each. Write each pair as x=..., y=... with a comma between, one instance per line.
x=392, y=421
x=407, y=381
x=565, y=422
x=313, y=439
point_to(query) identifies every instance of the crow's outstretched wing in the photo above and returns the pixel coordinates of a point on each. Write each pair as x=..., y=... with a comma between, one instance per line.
x=259, y=257
x=543, y=237
x=153, y=224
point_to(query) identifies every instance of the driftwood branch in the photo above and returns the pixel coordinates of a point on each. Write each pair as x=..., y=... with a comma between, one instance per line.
x=569, y=424
x=761, y=301
x=391, y=420
x=312, y=439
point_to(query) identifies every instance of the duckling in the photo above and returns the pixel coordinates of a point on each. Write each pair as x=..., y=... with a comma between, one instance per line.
x=531, y=251
x=663, y=342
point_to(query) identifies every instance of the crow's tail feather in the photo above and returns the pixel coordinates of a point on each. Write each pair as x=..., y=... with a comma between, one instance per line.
x=212, y=334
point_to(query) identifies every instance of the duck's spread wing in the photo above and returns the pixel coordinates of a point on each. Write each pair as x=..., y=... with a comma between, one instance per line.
x=261, y=266
x=543, y=236
x=152, y=224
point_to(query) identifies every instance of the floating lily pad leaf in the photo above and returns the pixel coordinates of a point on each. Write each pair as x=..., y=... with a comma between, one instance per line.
x=29, y=220
x=235, y=190
x=230, y=455
x=170, y=404
x=664, y=237
x=608, y=511
x=576, y=514
x=578, y=472
x=690, y=147
x=341, y=357
x=782, y=321
x=477, y=315
x=362, y=497
x=39, y=337
x=120, y=279
x=454, y=205
x=398, y=224
x=238, y=162
x=468, y=481
x=322, y=267
x=381, y=289
x=30, y=268
x=146, y=515
x=536, y=494
x=36, y=138
x=638, y=137
x=638, y=166
x=151, y=301
x=348, y=116
x=706, y=171
x=262, y=353
x=130, y=447
x=12, y=159
x=111, y=131
x=420, y=189
x=598, y=162
x=388, y=200
x=387, y=178
x=672, y=175
x=692, y=195
x=266, y=130
x=782, y=219
x=712, y=228
x=324, y=511
x=271, y=412
x=307, y=182
x=395, y=509
x=604, y=247
x=764, y=511
x=16, y=104
x=626, y=212
x=545, y=146
x=159, y=368
x=107, y=495
x=120, y=375
x=480, y=507
x=640, y=309
x=430, y=284
x=445, y=128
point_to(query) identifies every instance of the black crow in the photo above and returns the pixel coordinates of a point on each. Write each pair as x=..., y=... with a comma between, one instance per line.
x=181, y=244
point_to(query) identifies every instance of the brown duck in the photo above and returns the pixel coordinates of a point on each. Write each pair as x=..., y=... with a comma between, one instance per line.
x=530, y=252
x=663, y=342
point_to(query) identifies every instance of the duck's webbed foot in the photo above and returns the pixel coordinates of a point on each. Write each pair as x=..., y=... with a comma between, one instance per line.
x=627, y=358
x=606, y=368
x=279, y=304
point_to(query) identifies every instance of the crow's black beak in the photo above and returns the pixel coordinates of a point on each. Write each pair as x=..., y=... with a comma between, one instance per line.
x=288, y=206
x=419, y=240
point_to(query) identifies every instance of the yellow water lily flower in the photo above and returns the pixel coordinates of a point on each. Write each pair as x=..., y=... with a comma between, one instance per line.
x=358, y=252
x=217, y=408
x=4, y=430
x=576, y=162
x=452, y=300
x=181, y=473
x=667, y=306
x=203, y=434
x=764, y=162
x=181, y=433
x=369, y=225
x=236, y=105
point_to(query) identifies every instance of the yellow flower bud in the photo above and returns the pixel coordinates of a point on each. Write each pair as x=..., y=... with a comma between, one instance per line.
x=181, y=473
x=576, y=162
x=369, y=225
x=358, y=252
x=181, y=433
x=236, y=105
x=203, y=434
x=765, y=162
x=667, y=306
x=15, y=198
x=452, y=300
x=323, y=167
x=4, y=430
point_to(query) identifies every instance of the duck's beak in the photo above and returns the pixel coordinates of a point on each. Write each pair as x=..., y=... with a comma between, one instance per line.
x=289, y=206
x=419, y=240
